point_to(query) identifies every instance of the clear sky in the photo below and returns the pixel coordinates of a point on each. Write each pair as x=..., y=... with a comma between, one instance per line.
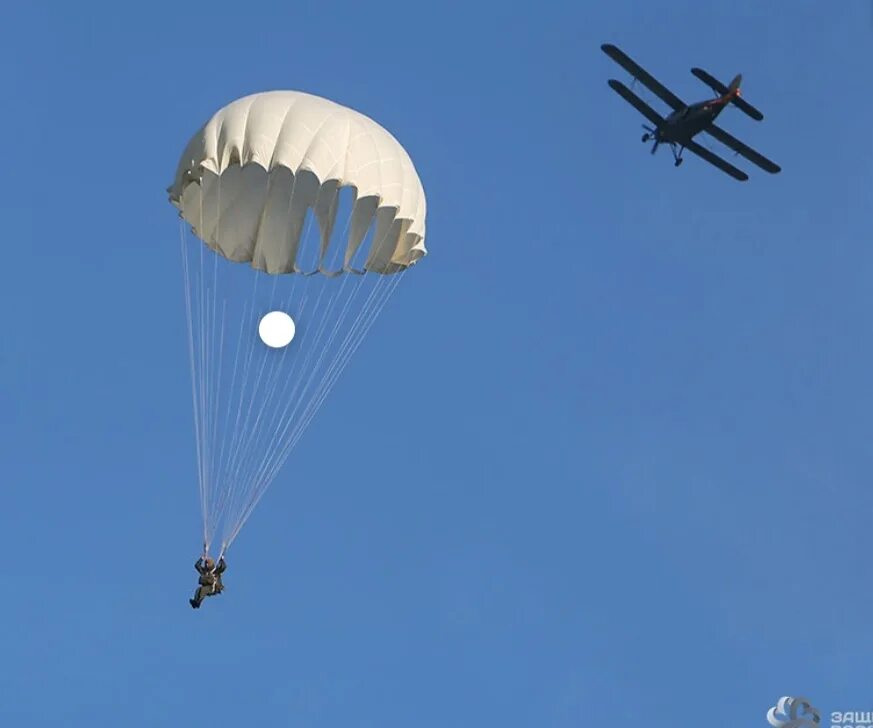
x=630, y=473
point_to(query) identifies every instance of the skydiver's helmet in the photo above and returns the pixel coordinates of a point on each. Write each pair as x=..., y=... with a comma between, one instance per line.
x=210, y=564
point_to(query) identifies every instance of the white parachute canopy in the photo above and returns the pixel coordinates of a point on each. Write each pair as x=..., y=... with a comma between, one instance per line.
x=305, y=215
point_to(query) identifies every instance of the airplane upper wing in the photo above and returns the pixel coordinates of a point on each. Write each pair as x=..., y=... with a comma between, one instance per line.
x=716, y=161
x=720, y=88
x=741, y=148
x=635, y=70
x=635, y=101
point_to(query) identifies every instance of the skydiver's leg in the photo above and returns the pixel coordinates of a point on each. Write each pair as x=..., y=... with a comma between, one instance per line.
x=199, y=595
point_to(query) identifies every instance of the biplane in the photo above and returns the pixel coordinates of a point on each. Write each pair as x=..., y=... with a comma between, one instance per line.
x=686, y=121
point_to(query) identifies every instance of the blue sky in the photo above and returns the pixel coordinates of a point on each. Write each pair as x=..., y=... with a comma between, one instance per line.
x=632, y=473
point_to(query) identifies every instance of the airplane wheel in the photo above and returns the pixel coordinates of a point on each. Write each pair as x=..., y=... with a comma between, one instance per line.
x=645, y=137
x=678, y=161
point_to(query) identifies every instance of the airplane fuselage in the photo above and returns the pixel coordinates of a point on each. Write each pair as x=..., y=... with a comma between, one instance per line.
x=683, y=124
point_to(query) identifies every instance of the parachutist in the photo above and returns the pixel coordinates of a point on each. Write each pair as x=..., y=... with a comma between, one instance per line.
x=210, y=580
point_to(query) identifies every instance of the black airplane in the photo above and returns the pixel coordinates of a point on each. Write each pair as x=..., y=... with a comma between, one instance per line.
x=686, y=121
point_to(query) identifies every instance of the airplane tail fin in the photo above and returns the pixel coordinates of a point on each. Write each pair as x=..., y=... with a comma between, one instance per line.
x=734, y=88
x=721, y=89
x=741, y=103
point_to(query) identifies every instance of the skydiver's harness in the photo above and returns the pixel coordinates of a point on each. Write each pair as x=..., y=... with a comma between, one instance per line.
x=210, y=578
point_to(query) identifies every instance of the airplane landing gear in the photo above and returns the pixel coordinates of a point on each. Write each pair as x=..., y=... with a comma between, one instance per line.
x=652, y=135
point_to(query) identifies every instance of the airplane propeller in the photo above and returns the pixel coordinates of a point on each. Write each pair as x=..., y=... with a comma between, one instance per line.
x=650, y=134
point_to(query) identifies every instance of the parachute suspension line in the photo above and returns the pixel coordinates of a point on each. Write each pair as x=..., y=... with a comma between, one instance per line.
x=260, y=430
x=205, y=409
x=356, y=335
x=209, y=405
x=197, y=433
x=353, y=340
x=248, y=440
x=220, y=504
x=200, y=345
x=246, y=421
x=263, y=435
x=227, y=409
x=216, y=401
x=249, y=437
x=238, y=429
x=275, y=424
x=235, y=433
x=358, y=330
x=213, y=377
x=236, y=474
x=276, y=456
x=201, y=397
x=329, y=379
x=283, y=418
x=212, y=404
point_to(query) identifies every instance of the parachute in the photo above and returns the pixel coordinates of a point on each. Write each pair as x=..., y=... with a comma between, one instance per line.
x=305, y=216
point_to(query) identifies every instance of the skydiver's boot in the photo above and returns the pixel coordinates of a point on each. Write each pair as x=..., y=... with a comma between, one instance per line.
x=194, y=603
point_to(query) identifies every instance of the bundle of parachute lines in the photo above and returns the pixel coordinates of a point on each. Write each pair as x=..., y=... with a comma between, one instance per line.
x=299, y=217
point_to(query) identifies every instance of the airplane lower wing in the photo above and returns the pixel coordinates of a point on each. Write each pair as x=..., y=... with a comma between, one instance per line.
x=740, y=148
x=635, y=101
x=643, y=76
x=716, y=161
